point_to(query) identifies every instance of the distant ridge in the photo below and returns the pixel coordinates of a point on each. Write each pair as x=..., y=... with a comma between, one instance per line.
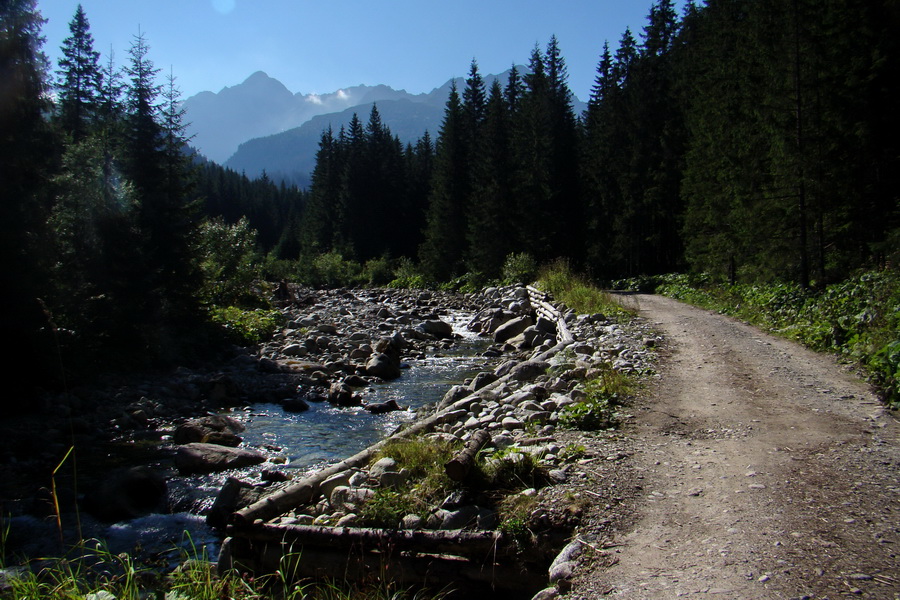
x=260, y=125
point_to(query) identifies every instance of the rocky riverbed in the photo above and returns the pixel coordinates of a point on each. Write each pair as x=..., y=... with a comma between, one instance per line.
x=337, y=347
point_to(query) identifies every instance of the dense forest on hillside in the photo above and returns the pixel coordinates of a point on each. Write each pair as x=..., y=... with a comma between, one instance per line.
x=754, y=140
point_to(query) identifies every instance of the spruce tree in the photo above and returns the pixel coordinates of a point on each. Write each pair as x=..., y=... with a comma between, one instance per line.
x=442, y=252
x=26, y=150
x=79, y=81
x=490, y=229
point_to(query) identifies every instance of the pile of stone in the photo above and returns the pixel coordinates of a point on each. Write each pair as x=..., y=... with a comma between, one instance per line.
x=519, y=404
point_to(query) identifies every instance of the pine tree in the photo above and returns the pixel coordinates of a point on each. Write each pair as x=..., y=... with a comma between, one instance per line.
x=324, y=210
x=79, y=81
x=443, y=250
x=490, y=230
x=26, y=150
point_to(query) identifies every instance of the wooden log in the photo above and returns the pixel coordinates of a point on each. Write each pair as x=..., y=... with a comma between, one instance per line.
x=306, y=490
x=482, y=579
x=473, y=545
x=459, y=466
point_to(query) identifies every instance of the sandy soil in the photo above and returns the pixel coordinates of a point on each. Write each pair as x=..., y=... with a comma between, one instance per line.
x=752, y=468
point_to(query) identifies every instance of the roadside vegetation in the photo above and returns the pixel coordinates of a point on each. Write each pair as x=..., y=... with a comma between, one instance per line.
x=857, y=319
x=91, y=572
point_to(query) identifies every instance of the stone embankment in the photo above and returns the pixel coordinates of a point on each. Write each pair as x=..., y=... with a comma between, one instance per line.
x=334, y=346
x=514, y=409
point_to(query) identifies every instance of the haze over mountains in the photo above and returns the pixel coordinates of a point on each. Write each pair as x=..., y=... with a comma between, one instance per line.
x=261, y=125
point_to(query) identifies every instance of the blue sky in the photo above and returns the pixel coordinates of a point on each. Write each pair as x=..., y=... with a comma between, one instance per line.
x=324, y=45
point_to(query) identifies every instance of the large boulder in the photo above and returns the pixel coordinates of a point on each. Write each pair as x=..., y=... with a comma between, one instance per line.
x=217, y=429
x=383, y=366
x=198, y=457
x=512, y=328
x=529, y=370
x=341, y=394
x=438, y=328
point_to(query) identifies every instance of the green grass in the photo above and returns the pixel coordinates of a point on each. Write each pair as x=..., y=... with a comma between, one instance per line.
x=577, y=292
x=91, y=572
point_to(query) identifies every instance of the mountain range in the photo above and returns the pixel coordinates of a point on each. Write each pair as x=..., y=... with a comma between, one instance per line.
x=259, y=125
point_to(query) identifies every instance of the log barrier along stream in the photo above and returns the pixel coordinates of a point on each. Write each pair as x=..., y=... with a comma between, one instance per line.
x=465, y=558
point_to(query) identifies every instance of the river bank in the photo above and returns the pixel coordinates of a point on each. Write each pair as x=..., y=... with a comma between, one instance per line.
x=322, y=358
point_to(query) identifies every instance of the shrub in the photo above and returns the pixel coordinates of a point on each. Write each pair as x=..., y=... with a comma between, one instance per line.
x=229, y=262
x=248, y=326
x=332, y=270
x=598, y=410
x=407, y=276
x=519, y=268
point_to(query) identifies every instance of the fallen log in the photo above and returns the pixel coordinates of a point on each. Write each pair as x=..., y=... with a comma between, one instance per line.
x=459, y=466
x=305, y=490
x=474, y=545
x=482, y=579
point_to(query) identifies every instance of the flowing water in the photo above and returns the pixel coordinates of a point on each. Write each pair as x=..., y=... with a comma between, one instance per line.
x=307, y=441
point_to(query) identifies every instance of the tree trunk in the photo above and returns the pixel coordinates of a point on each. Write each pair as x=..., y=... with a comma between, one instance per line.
x=459, y=466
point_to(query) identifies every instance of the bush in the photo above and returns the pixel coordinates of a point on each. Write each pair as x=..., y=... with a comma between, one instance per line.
x=248, y=327
x=332, y=270
x=407, y=276
x=229, y=262
x=378, y=271
x=519, y=268
x=598, y=410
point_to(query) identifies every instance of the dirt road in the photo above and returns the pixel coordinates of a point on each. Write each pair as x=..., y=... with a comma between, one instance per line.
x=761, y=470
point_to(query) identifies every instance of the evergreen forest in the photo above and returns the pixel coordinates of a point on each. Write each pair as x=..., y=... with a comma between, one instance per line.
x=749, y=140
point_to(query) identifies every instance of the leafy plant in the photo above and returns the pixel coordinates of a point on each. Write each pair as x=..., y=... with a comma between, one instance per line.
x=598, y=410
x=229, y=262
x=519, y=268
x=248, y=326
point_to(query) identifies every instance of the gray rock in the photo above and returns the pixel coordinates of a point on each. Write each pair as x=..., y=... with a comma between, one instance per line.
x=233, y=496
x=126, y=494
x=438, y=328
x=529, y=370
x=338, y=479
x=512, y=328
x=394, y=480
x=550, y=593
x=295, y=405
x=454, y=394
x=561, y=574
x=383, y=366
x=382, y=466
x=200, y=430
x=458, y=519
x=347, y=520
x=482, y=379
x=511, y=423
x=412, y=522
x=487, y=520
x=295, y=350
x=198, y=457
x=341, y=394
